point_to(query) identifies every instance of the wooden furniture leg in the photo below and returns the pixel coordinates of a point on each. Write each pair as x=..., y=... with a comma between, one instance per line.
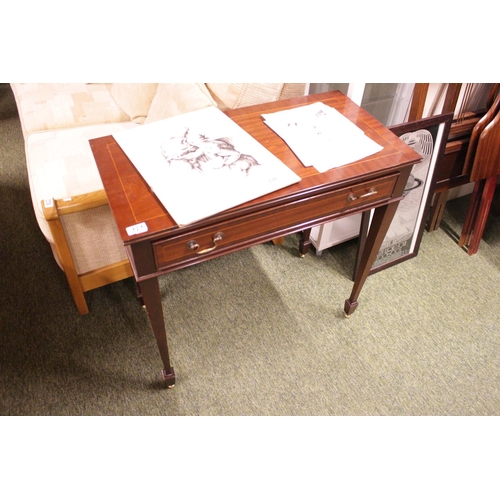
x=470, y=218
x=482, y=215
x=379, y=226
x=437, y=210
x=151, y=297
x=363, y=231
x=51, y=215
x=305, y=242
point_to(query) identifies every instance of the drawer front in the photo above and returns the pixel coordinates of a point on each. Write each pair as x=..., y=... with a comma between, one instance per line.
x=219, y=239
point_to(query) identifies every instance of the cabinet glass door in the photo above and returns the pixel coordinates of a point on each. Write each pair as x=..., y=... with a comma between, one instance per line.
x=389, y=103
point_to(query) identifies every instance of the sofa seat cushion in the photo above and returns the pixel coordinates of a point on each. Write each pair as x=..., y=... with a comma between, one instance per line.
x=50, y=106
x=61, y=165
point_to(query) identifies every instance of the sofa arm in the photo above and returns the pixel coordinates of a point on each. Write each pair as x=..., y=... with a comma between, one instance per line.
x=52, y=209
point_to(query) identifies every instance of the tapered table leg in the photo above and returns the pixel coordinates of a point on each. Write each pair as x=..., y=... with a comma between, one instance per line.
x=150, y=293
x=381, y=221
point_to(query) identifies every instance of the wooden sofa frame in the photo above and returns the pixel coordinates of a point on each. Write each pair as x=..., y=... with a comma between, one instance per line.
x=53, y=210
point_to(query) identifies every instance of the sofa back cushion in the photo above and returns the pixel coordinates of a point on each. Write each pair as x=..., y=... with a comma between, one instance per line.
x=135, y=99
x=173, y=99
x=238, y=95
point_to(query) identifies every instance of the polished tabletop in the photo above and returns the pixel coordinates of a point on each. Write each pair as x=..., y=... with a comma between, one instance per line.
x=133, y=202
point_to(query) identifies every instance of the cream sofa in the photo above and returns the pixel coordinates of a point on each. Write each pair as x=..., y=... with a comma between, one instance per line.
x=68, y=198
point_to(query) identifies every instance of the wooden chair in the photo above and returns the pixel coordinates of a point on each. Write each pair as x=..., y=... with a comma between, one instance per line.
x=483, y=164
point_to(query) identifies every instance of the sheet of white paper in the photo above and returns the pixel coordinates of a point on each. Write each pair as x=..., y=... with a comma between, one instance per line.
x=202, y=163
x=321, y=136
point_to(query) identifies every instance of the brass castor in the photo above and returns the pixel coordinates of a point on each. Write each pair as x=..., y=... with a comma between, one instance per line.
x=169, y=378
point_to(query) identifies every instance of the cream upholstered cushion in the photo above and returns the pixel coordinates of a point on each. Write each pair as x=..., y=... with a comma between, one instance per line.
x=290, y=90
x=173, y=99
x=237, y=95
x=134, y=98
x=51, y=106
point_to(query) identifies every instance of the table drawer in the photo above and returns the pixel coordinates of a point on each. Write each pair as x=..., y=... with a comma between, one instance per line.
x=205, y=242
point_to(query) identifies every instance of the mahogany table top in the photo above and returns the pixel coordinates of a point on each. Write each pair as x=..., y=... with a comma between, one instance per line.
x=133, y=202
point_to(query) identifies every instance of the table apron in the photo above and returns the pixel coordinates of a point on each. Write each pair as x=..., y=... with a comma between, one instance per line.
x=234, y=234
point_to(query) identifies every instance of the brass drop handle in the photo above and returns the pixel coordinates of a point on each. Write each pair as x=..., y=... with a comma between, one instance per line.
x=353, y=197
x=193, y=245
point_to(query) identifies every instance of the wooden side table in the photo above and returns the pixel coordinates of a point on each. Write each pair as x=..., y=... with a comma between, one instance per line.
x=159, y=246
